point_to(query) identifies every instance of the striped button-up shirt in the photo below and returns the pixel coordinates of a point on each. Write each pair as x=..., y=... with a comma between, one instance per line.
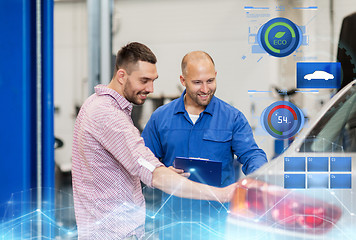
x=109, y=159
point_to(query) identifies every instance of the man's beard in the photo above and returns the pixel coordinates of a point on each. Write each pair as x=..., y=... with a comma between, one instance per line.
x=132, y=97
x=195, y=98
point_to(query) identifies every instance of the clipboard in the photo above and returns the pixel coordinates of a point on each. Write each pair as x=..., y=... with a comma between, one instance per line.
x=201, y=170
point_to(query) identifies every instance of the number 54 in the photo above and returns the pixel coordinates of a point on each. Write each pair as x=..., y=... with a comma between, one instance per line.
x=282, y=119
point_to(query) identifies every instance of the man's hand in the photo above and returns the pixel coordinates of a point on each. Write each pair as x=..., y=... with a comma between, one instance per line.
x=227, y=193
x=171, y=181
x=180, y=172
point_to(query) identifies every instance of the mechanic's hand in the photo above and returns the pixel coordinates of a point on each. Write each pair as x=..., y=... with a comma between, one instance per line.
x=180, y=172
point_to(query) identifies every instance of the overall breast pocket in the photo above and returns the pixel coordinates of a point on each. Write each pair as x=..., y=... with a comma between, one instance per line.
x=217, y=144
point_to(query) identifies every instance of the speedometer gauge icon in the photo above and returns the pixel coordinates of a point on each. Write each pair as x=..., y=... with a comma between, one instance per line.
x=282, y=119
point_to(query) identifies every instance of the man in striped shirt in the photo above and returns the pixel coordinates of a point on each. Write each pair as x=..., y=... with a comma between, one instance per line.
x=110, y=158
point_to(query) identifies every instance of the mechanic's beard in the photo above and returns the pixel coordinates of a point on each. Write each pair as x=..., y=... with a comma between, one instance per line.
x=196, y=99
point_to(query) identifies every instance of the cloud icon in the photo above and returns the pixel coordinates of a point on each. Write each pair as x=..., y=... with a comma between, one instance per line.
x=319, y=75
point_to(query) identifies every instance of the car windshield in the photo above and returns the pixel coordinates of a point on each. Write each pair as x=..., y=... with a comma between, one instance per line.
x=336, y=131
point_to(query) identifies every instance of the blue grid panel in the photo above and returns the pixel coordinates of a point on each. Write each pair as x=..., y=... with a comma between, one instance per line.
x=340, y=164
x=294, y=164
x=341, y=181
x=318, y=180
x=318, y=164
x=294, y=181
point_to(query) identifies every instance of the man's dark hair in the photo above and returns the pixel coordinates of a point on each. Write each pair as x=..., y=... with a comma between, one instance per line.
x=130, y=54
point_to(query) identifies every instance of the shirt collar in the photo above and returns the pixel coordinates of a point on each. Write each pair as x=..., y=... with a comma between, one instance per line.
x=180, y=108
x=122, y=102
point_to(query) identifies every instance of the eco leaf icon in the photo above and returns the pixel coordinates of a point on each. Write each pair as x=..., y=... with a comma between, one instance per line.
x=279, y=34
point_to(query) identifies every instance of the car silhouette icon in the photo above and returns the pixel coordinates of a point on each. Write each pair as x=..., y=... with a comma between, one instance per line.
x=319, y=75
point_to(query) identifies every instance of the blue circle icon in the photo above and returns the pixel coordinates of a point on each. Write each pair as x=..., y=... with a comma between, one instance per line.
x=282, y=119
x=279, y=37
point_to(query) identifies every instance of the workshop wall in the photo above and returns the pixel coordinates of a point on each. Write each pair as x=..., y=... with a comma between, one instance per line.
x=173, y=28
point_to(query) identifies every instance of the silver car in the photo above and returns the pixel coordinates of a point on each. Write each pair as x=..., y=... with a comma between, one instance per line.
x=269, y=205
